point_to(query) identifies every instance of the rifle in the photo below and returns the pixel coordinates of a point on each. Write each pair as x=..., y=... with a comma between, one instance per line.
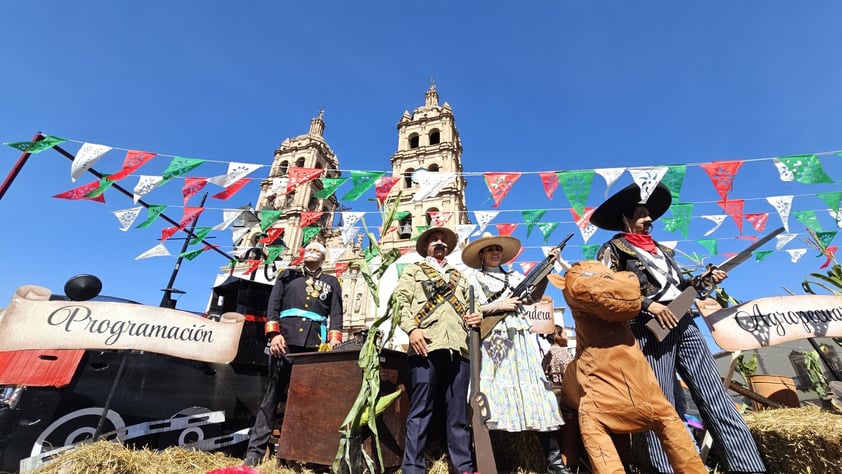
x=479, y=403
x=681, y=305
x=525, y=288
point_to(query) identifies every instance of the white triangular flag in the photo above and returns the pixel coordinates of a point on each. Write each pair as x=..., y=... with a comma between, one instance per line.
x=228, y=218
x=440, y=218
x=144, y=185
x=350, y=219
x=335, y=252
x=348, y=234
x=278, y=186
x=430, y=183
x=647, y=179
x=156, y=251
x=463, y=232
x=837, y=216
x=127, y=217
x=236, y=171
x=670, y=244
x=483, y=219
x=783, y=171
x=782, y=204
x=784, y=239
x=717, y=219
x=587, y=232
x=610, y=175
x=796, y=254
x=86, y=157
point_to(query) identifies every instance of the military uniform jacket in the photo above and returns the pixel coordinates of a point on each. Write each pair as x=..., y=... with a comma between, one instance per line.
x=444, y=326
x=291, y=291
x=622, y=256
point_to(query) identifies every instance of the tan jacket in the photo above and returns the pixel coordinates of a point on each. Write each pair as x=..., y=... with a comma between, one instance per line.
x=443, y=326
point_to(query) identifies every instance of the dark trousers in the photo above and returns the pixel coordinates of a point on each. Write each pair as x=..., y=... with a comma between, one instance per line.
x=280, y=370
x=684, y=350
x=446, y=373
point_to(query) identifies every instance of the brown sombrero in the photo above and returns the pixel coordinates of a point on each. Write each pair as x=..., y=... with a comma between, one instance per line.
x=609, y=214
x=470, y=255
x=449, y=237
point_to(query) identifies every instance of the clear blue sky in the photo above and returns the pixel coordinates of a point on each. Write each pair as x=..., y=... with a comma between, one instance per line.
x=538, y=86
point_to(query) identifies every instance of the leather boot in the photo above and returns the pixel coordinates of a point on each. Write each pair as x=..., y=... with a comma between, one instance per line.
x=549, y=442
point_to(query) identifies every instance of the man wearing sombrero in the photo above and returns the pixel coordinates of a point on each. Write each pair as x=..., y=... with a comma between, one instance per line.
x=432, y=297
x=684, y=350
x=518, y=393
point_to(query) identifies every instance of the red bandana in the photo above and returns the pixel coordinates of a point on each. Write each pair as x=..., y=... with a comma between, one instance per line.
x=643, y=241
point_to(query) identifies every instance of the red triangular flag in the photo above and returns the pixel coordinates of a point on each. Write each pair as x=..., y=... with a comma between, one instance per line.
x=829, y=253
x=190, y=215
x=583, y=220
x=191, y=187
x=300, y=257
x=383, y=186
x=505, y=229
x=298, y=176
x=309, y=217
x=168, y=232
x=722, y=175
x=500, y=184
x=750, y=238
x=758, y=220
x=340, y=268
x=439, y=219
x=134, y=160
x=527, y=267
x=272, y=235
x=734, y=209
x=550, y=181
x=253, y=265
x=728, y=254
x=79, y=193
x=231, y=190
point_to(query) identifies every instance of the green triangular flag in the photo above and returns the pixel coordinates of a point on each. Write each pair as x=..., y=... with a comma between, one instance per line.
x=179, y=166
x=832, y=199
x=531, y=217
x=104, y=183
x=806, y=169
x=268, y=217
x=274, y=252
x=309, y=233
x=761, y=254
x=680, y=219
x=825, y=238
x=152, y=213
x=401, y=214
x=369, y=253
x=547, y=229
x=420, y=229
x=362, y=181
x=37, y=147
x=201, y=233
x=673, y=179
x=709, y=244
x=808, y=218
x=589, y=251
x=191, y=254
x=330, y=185
x=576, y=186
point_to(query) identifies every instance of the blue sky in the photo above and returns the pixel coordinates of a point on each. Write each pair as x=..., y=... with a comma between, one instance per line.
x=542, y=87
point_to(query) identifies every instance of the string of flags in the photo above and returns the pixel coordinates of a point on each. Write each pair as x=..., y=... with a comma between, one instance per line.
x=576, y=186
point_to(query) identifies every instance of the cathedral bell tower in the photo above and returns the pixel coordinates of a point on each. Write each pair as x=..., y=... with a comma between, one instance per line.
x=428, y=142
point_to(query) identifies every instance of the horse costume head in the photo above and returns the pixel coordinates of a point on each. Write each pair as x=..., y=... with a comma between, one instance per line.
x=589, y=287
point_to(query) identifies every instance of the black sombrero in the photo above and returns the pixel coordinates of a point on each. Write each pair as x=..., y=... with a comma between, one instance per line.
x=609, y=214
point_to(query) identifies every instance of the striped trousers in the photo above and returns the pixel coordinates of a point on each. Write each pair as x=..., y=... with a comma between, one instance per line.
x=684, y=350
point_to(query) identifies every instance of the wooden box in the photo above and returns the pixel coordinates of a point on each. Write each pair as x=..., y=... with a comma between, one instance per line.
x=323, y=387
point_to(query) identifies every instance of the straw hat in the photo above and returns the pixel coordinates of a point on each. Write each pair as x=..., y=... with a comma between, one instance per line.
x=470, y=255
x=449, y=238
x=609, y=214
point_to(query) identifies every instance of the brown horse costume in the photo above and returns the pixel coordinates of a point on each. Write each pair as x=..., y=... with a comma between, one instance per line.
x=609, y=382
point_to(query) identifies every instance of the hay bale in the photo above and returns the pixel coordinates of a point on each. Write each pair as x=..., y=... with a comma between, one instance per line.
x=805, y=439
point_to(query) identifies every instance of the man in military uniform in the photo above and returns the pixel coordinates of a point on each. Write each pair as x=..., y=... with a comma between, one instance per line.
x=305, y=311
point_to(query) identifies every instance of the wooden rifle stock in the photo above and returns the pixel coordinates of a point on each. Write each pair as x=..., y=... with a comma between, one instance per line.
x=525, y=288
x=479, y=404
x=681, y=305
